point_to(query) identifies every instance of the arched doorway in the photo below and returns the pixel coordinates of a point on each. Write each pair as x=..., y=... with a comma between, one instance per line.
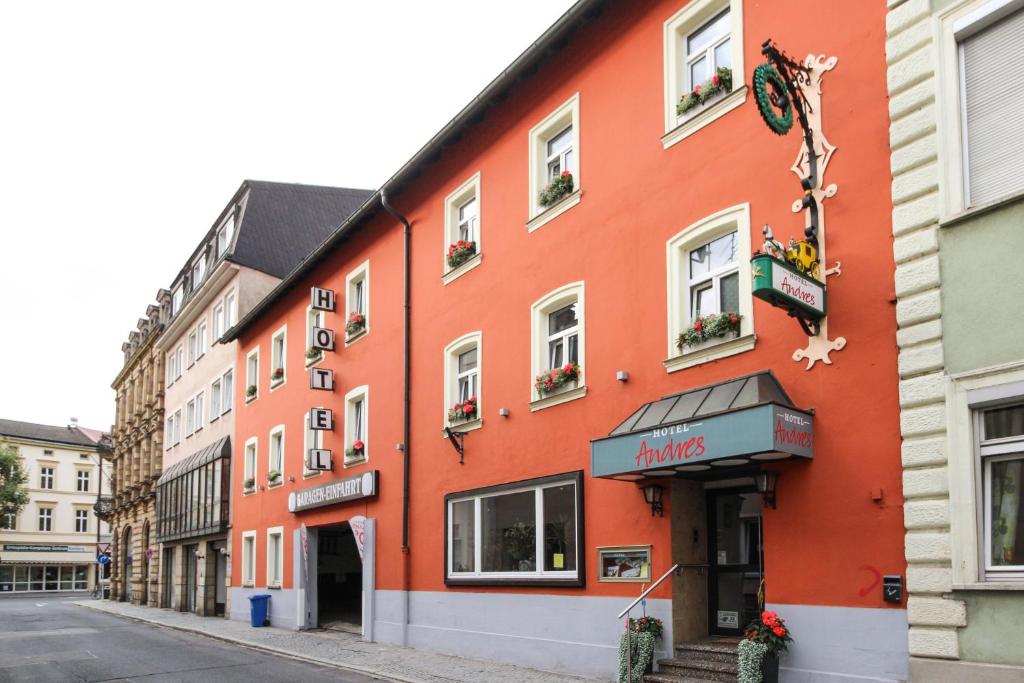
x=126, y=564
x=146, y=555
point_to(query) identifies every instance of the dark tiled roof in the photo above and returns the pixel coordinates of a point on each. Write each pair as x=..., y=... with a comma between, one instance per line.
x=71, y=436
x=284, y=222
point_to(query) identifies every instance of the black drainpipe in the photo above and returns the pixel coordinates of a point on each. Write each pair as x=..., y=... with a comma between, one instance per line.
x=405, y=399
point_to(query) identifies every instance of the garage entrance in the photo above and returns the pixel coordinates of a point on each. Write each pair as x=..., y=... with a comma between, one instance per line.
x=339, y=579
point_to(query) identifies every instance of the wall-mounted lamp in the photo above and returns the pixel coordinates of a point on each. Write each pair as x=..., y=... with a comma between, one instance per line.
x=766, y=481
x=622, y=376
x=503, y=412
x=652, y=496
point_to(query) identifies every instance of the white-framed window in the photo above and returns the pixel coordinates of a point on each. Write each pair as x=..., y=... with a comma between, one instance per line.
x=314, y=318
x=9, y=522
x=81, y=521
x=200, y=417
x=275, y=453
x=357, y=302
x=227, y=400
x=248, y=558
x=249, y=463
x=179, y=361
x=312, y=439
x=1001, y=452
x=252, y=374
x=46, y=475
x=492, y=533
x=698, y=39
x=215, y=392
x=177, y=299
x=198, y=272
x=462, y=224
x=190, y=418
x=278, y=354
x=172, y=371
x=82, y=480
x=357, y=421
x=275, y=556
x=45, y=518
x=176, y=434
x=193, y=348
x=462, y=360
x=225, y=233
x=554, y=150
x=218, y=321
x=709, y=273
x=201, y=337
x=558, y=341
x=230, y=311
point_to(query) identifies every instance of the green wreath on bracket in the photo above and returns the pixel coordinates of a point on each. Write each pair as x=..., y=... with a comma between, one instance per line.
x=778, y=118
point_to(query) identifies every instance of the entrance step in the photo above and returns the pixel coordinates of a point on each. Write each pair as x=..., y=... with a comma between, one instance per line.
x=708, y=659
x=665, y=678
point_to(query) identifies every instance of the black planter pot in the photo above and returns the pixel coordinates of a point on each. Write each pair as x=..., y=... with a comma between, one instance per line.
x=770, y=669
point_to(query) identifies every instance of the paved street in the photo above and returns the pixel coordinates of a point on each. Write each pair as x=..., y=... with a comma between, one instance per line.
x=51, y=639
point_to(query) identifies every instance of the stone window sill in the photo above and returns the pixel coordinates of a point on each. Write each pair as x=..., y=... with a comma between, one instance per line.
x=310, y=362
x=975, y=211
x=274, y=384
x=467, y=426
x=557, y=209
x=355, y=337
x=690, y=125
x=558, y=399
x=461, y=269
x=706, y=354
x=990, y=586
x=352, y=462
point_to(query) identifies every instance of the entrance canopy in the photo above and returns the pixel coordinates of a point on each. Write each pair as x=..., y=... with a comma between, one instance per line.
x=733, y=424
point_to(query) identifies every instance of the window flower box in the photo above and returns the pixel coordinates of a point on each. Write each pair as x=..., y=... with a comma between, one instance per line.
x=250, y=392
x=464, y=411
x=357, y=451
x=356, y=325
x=313, y=354
x=277, y=375
x=713, y=326
x=719, y=83
x=460, y=252
x=249, y=485
x=559, y=187
x=273, y=477
x=553, y=381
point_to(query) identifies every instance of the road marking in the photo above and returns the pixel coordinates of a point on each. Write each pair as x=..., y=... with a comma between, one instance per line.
x=42, y=634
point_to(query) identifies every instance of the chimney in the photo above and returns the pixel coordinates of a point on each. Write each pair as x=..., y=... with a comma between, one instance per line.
x=73, y=424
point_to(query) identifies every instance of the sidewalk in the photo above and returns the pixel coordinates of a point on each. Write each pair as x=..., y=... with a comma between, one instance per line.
x=337, y=649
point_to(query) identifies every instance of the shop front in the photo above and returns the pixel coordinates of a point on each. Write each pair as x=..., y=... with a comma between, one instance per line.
x=46, y=567
x=708, y=448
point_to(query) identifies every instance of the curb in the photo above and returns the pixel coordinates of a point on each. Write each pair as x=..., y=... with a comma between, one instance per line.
x=374, y=673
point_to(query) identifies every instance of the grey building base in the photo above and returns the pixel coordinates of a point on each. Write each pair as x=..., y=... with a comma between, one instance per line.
x=844, y=644
x=947, y=671
x=283, y=605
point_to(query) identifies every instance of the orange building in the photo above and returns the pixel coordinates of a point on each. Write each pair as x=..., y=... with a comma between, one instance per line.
x=608, y=189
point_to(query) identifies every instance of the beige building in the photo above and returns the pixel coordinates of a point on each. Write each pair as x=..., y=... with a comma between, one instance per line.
x=51, y=544
x=137, y=460
x=264, y=231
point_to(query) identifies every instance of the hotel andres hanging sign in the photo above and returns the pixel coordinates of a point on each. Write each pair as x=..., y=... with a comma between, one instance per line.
x=341, y=491
x=321, y=379
x=783, y=286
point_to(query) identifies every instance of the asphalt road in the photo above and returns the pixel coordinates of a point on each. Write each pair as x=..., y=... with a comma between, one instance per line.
x=49, y=639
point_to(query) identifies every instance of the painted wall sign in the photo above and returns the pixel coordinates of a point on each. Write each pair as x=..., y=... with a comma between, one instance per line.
x=318, y=459
x=764, y=429
x=785, y=287
x=321, y=418
x=323, y=339
x=321, y=378
x=39, y=548
x=322, y=299
x=341, y=491
x=358, y=524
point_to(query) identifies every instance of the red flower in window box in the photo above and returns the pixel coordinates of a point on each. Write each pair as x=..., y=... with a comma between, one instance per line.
x=357, y=450
x=460, y=252
x=277, y=375
x=464, y=410
x=552, y=380
x=356, y=324
x=560, y=186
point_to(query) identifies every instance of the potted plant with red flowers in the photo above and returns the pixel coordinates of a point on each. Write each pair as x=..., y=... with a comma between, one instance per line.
x=560, y=186
x=277, y=375
x=250, y=392
x=711, y=326
x=720, y=82
x=460, y=252
x=356, y=324
x=357, y=450
x=551, y=381
x=765, y=640
x=636, y=648
x=463, y=411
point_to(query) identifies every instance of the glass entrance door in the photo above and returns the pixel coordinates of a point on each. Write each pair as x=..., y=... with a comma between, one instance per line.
x=735, y=558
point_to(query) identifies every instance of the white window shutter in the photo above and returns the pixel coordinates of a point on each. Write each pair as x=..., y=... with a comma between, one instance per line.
x=993, y=81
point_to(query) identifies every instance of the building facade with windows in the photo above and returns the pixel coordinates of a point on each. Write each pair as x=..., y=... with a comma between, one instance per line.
x=955, y=96
x=263, y=232
x=524, y=424
x=51, y=544
x=136, y=460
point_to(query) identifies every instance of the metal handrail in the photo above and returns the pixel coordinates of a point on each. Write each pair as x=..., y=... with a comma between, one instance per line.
x=643, y=595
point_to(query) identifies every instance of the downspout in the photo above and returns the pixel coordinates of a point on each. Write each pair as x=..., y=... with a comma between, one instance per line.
x=406, y=409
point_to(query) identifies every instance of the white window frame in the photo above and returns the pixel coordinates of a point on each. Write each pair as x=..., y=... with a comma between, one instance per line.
x=193, y=348
x=199, y=421
x=79, y=479
x=252, y=374
x=314, y=318
x=317, y=442
x=10, y=522
x=227, y=382
x=451, y=379
x=549, y=303
x=279, y=360
x=360, y=273
x=79, y=517
x=361, y=393
x=230, y=310
x=249, y=558
x=453, y=203
x=201, y=338
x=538, y=575
x=47, y=476
x=276, y=433
x=677, y=28
x=218, y=321
x=199, y=265
x=177, y=299
x=956, y=23
x=250, y=462
x=226, y=232
x=190, y=417
x=278, y=566
x=179, y=360
x=215, y=399
x=733, y=219
x=566, y=114
x=171, y=371
x=47, y=518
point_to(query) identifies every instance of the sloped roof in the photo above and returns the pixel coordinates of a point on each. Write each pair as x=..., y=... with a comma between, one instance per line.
x=218, y=449
x=71, y=436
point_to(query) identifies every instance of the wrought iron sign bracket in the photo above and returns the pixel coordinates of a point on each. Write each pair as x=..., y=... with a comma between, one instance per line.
x=457, y=439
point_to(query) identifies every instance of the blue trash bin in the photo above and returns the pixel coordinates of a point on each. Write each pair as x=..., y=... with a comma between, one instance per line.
x=259, y=609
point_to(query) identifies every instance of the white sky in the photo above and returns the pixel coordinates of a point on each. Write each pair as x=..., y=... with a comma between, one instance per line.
x=125, y=127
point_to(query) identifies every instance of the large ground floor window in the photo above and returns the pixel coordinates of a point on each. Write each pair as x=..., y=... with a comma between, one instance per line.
x=24, y=578
x=524, y=532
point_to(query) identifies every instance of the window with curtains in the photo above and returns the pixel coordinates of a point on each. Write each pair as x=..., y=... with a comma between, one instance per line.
x=713, y=285
x=1001, y=449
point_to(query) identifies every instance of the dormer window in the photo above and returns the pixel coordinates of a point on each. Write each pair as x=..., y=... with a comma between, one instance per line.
x=177, y=298
x=198, y=272
x=225, y=233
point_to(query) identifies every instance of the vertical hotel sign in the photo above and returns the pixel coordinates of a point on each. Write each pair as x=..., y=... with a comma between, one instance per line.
x=321, y=379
